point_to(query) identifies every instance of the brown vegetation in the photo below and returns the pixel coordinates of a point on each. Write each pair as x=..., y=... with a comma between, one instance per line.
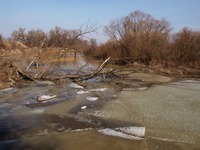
x=139, y=37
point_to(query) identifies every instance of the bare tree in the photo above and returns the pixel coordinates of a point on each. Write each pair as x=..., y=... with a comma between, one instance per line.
x=185, y=47
x=139, y=35
x=67, y=39
x=36, y=38
x=19, y=35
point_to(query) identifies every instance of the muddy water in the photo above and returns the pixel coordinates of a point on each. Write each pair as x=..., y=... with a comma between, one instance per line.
x=72, y=120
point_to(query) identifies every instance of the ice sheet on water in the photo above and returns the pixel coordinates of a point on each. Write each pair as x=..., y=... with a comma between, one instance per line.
x=83, y=107
x=76, y=86
x=98, y=90
x=82, y=92
x=137, y=131
x=133, y=133
x=90, y=98
x=45, y=82
x=91, y=90
x=45, y=97
x=191, y=81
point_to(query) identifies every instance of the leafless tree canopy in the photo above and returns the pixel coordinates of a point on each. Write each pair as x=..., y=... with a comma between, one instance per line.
x=56, y=37
x=139, y=35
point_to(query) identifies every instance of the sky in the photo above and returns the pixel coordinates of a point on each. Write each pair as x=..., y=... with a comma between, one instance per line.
x=72, y=14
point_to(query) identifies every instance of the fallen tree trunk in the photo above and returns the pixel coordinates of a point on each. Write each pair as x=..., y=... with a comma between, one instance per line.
x=79, y=77
x=21, y=72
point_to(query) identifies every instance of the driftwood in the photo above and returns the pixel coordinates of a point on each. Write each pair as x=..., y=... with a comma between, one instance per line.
x=79, y=77
x=21, y=72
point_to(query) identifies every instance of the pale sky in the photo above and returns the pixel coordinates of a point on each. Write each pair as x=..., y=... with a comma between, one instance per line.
x=72, y=14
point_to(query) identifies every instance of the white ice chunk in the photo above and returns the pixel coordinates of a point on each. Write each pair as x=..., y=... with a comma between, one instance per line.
x=82, y=92
x=45, y=82
x=142, y=88
x=92, y=98
x=98, y=90
x=76, y=86
x=112, y=132
x=136, y=131
x=83, y=107
x=45, y=97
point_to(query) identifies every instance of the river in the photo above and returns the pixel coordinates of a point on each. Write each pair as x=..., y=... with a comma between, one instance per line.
x=92, y=115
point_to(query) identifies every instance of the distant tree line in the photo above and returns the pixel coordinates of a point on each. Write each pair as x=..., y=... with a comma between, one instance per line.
x=56, y=37
x=139, y=37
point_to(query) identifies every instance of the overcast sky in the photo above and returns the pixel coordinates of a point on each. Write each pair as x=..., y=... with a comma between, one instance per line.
x=71, y=14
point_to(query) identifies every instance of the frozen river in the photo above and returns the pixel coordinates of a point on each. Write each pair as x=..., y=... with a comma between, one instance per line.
x=80, y=115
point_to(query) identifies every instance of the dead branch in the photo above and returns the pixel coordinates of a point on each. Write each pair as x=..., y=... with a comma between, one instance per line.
x=96, y=72
x=22, y=72
x=78, y=77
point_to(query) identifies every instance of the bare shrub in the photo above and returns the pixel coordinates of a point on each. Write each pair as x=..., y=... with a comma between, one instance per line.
x=19, y=35
x=2, y=45
x=185, y=48
x=139, y=35
x=36, y=38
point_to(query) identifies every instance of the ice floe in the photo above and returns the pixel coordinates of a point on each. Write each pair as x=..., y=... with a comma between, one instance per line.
x=90, y=98
x=98, y=90
x=191, y=81
x=133, y=133
x=76, y=86
x=45, y=97
x=83, y=107
x=88, y=91
x=82, y=92
x=45, y=82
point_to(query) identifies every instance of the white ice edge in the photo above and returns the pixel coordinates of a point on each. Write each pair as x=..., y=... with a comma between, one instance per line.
x=172, y=140
x=98, y=90
x=7, y=89
x=45, y=132
x=190, y=81
x=45, y=97
x=83, y=107
x=90, y=98
x=88, y=91
x=136, y=131
x=76, y=86
x=82, y=92
x=45, y=82
x=115, y=133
